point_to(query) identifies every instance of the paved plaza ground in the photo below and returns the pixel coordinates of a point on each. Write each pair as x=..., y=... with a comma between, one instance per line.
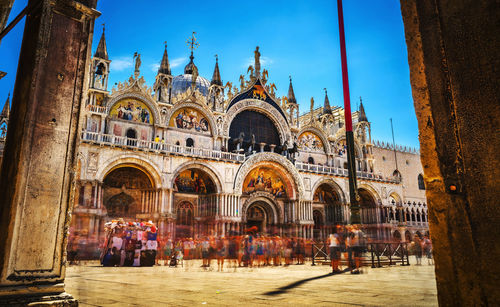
x=296, y=285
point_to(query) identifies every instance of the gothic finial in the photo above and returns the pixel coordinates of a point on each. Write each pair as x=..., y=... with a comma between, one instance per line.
x=216, y=79
x=192, y=44
x=164, y=65
x=102, y=51
x=326, y=106
x=291, y=94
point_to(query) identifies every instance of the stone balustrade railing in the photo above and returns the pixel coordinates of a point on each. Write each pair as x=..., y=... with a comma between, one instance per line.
x=330, y=170
x=96, y=109
x=120, y=141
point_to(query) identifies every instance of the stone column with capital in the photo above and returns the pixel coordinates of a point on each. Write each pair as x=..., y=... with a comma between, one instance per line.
x=38, y=172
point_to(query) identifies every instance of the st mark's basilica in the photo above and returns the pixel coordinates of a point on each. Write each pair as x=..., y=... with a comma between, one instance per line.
x=199, y=157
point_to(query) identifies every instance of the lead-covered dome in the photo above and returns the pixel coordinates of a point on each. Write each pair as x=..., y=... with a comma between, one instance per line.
x=182, y=83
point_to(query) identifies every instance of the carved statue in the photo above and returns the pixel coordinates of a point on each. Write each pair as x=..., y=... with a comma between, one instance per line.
x=138, y=62
x=242, y=82
x=228, y=85
x=265, y=74
x=257, y=61
x=272, y=88
x=284, y=101
x=238, y=142
x=250, y=69
x=194, y=76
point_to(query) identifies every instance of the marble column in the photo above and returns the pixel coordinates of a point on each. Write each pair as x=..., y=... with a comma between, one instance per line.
x=43, y=135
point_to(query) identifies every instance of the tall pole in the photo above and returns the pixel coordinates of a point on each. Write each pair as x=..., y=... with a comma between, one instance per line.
x=394, y=146
x=351, y=160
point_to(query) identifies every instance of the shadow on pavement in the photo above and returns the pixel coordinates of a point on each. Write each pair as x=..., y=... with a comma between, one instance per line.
x=300, y=282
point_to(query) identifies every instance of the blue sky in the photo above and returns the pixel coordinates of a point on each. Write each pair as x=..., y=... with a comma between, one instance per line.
x=296, y=37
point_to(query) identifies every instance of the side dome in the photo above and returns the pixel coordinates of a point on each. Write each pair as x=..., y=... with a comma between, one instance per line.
x=182, y=83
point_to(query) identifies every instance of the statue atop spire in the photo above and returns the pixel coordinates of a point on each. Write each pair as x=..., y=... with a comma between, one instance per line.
x=312, y=109
x=138, y=63
x=257, y=62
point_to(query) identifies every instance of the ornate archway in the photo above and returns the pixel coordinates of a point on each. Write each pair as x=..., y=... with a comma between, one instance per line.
x=262, y=211
x=123, y=189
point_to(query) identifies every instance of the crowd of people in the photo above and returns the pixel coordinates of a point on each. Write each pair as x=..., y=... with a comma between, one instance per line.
x=137, y=244
x=422, y=247
x=351, y=242
x=250, y=250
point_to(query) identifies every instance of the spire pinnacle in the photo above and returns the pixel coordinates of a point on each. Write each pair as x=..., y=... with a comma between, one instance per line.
x=326, y=106
x=192, y=44
x=291, y=94
x=6, y=108
x=164, y=66
x=216, y=79
x=102, y=51
x=362, y=115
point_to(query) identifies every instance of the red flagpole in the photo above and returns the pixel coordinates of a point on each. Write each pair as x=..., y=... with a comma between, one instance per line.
x=351, y=160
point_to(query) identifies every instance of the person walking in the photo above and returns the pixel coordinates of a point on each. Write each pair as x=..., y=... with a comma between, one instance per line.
x=334, y=243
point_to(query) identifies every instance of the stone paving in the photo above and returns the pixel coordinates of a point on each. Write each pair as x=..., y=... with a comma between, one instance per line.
x=296, y=285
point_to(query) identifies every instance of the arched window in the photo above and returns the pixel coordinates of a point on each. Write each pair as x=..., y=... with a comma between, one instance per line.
x=189, y=142
x=421, y=185
x=131, y=134
x=310, y=160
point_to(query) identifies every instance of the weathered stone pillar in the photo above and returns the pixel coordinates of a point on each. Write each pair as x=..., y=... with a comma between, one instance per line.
x=38, y=171
x=453, y=57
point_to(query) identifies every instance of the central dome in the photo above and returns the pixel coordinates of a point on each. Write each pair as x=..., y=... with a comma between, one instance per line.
x=182, y=83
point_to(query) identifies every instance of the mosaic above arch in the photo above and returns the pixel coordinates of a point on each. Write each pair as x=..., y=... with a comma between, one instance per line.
x=190, y=119
x=309, y=141
x=132, y=110
x=265, y=179
x=194, y=181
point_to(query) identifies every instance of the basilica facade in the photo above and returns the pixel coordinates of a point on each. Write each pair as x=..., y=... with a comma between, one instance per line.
x=199, y=157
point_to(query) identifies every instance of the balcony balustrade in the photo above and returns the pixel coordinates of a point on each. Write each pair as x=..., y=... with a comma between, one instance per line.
x=124, y=142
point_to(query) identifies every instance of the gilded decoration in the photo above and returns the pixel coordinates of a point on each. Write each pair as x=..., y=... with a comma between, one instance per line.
x=264, y=179
x=194, y=181
x=310, y=142
x=257, y=159
x=190, y=119
x=132, y=110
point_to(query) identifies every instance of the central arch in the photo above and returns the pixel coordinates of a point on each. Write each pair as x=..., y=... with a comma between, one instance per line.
x=262, y=211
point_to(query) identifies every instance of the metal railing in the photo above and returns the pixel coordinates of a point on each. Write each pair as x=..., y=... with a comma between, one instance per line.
x=124, y=142
x=376, y=254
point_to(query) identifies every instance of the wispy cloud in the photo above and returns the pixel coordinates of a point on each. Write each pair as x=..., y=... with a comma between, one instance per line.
x=177, y=62
x=154, y=67
x=121, y=63
x=263, y=61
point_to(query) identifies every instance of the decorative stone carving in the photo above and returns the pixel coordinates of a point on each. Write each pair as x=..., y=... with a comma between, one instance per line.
x=255, y=159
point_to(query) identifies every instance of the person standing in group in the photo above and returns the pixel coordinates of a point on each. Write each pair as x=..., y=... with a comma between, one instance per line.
x=427, y=248
x=417, y=249
x=334, y=243
x=357, y=245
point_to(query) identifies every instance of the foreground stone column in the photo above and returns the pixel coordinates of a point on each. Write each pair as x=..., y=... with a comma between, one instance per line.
x=37, y=178
x=453, y=55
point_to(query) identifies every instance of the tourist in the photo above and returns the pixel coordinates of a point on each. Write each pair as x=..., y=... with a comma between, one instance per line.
x=357, y=244
x=334, y=243
x=427, y=249
x=417, y=249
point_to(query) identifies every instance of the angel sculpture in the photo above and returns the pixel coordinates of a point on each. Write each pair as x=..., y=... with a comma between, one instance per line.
x=265, y=74
x=250, y=69
x=242, y=82
x=284, y=101
x=272, y=88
